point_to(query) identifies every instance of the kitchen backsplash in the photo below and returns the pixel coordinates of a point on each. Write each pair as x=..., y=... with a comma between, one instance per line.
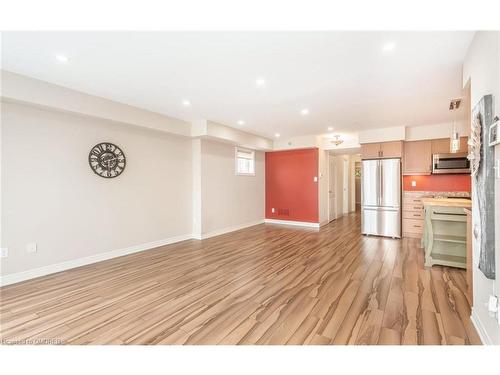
x=438, y=183
x=441, y=194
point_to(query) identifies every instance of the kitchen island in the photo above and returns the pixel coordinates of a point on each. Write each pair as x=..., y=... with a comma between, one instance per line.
x=445, y=229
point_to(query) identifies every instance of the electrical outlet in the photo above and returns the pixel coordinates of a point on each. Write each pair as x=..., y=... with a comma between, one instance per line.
x=414, y=183
x=31, y=247
x=4, y=252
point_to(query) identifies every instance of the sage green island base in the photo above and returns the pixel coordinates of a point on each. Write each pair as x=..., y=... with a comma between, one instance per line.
x=445, y=236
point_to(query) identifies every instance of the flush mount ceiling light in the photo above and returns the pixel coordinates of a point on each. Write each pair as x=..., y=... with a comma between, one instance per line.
x=330, y=128
x=62, y=58
x=304, y=112
x=241, y=122
x=186, y=103
x=260, y=82
x=337, y=141
x=277, y=135
x=389, y=46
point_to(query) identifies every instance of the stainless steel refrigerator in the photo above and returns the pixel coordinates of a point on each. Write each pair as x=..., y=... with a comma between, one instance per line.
x=381, y=197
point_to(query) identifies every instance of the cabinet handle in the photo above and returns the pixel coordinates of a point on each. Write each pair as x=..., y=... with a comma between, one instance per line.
x=417, y=226
x=416, y=207
x=416, y=214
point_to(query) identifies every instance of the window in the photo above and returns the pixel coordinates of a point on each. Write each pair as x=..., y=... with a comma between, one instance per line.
x=245, y=162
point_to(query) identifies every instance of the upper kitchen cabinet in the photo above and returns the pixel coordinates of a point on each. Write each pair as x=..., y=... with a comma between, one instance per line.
x=391, y=149
x=382, y=150
x=370, y=151
x=442, y=146
x=417, y=158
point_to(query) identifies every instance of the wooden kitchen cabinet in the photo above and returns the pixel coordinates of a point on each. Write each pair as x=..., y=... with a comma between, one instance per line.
x=391, y=149
x=417, y=158
x=464, y=147
x=370, y=151
x=382, y=150
x=442, y=146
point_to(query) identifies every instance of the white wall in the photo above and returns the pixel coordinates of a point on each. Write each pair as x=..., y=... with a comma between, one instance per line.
x=396, y=133
x=482, y=68
x=229, y=201
x=24, y=89
x=306, y=141
x=323, y=186
x=50, y=195
x=352, y=181
x=434, y=131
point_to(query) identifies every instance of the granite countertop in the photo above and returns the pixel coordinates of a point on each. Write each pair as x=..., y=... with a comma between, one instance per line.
x=443, y=194
x=447, y=202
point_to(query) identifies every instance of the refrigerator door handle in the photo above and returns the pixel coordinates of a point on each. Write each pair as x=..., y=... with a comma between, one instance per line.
x=381, y=183
x=368, y=208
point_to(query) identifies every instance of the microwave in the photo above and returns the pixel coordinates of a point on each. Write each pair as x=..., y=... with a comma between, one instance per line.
x=450, y=163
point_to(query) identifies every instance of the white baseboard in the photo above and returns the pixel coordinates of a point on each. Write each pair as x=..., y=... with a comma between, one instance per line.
x=63, y=266
x=290, y=222
x=233, y=228
x=483, y=335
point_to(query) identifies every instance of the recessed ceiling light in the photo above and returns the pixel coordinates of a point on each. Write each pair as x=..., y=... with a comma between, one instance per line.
x=304, y=112
x=277, y=135
x=388, y=46
x=186, y=103
x=62, y=58
x=330, y=128
x=241, y=122
x=260, y=82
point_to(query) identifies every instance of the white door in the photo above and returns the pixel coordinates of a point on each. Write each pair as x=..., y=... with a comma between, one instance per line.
x=345, y=187
x=332, y=215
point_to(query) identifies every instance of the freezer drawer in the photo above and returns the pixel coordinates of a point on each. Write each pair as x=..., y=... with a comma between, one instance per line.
x=381, y=222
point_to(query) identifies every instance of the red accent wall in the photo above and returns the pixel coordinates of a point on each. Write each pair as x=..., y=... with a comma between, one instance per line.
x=450, y=182
x=290, y=186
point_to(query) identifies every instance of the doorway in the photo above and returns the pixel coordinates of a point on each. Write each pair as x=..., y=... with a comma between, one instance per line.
x=332, y=213
x=345, y=185
x=357, y=185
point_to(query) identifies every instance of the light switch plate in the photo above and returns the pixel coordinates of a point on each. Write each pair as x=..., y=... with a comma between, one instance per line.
x=414, y=183
x=493, y=304
x=272, y=210
x=31, y=247
x=4, y=252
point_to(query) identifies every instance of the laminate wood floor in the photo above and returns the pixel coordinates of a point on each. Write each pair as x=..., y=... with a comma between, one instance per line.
x=266, y=284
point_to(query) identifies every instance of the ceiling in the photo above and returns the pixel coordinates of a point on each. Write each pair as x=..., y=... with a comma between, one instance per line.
x=346, y=79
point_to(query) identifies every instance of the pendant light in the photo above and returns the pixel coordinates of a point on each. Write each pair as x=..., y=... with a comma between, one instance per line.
x=455, y=138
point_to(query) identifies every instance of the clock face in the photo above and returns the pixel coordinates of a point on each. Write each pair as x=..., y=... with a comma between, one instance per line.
x=107, y=160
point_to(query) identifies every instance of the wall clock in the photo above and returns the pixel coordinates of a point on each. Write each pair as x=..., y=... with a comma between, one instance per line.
x=107, y=160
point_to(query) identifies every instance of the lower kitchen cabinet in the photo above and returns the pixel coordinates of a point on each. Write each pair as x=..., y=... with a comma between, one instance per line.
x=413, y=214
